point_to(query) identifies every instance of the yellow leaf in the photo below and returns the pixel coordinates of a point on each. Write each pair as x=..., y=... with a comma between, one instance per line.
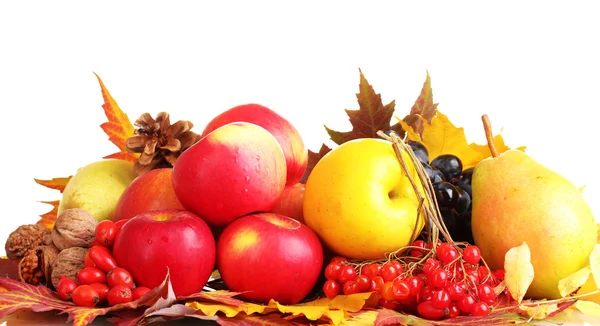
x=518, y=271
x=541, y=311
x=588, y=308
x=573, y=282
x=595, y=264
x=441, y=136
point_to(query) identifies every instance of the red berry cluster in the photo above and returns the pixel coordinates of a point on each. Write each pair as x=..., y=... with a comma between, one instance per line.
x=446, y=284
x=101, y=281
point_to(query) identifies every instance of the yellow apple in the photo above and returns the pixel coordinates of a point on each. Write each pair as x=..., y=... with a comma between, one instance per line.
x=360, y=202
x=97, y=187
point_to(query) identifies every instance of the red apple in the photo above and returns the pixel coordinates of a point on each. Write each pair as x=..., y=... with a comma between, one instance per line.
x=235, y=170
x=151, y=191
x=269, y=256
x=176, y=239
x=291, y=202
x=296, y=155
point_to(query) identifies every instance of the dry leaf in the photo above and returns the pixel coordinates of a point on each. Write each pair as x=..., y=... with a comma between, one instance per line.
x=595, y=264
x=588, y=308
x=313, y=159
x=441, y=136
x=48, y=219
x=518, y=271
x=423, y=110
x=573, y=282
x=118, y=128
x=541, y=311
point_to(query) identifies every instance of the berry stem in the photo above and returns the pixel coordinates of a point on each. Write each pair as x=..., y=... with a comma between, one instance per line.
x=487, y=127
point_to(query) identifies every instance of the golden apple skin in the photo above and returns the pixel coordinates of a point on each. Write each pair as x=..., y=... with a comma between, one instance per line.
x=360, y=202
x=97, y=187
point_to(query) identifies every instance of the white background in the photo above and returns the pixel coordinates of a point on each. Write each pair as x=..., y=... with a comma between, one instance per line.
x=533, y=68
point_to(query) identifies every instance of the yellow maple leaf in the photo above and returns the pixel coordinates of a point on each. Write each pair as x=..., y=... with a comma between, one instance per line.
x=595, y=264
x=336, y=309
x=540, y=311
x=441, y=136
x=518, y=271
x=574, y=281
x=588, y=308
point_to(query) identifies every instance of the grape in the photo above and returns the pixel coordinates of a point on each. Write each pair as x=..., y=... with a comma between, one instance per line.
x=446, y=194
x=434, y=174
x=449, y=164
x=464, y=181
x=463, y=203
x=420, y=151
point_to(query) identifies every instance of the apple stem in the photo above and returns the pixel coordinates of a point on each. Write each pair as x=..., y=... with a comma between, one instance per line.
x=487, y=127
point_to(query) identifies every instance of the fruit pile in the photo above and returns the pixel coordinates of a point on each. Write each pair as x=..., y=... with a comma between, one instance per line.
x=452, y=187
x=452, y=283
x=101, y=281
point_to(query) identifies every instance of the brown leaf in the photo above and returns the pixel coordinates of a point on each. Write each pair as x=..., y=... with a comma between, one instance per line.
x=118, y=128
x=371, y=116
x=8, y=268
x=313, y=159
x=423, y=109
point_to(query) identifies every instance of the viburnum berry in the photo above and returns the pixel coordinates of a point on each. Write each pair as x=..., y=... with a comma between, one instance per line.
x=339, y=260
x=472, y=254
x=420, y=250
x=441, y=299
x=371, y=270
x=439, y=278
x=363, y=282
x=415, y=284
x=446, y=253
x=480, y=309
x=351, y=287
x=427, y=310
x=389, y=272
x=401, y=290
x=430, y=265
x=387, y=291
x=389, y=304
x=456, y=290
x=486, y=294
x=331, y=271
x=453, y=310
x=465, y=304
x=346, y=273
x=376, y=284
x=426, y=293
x=331, y=288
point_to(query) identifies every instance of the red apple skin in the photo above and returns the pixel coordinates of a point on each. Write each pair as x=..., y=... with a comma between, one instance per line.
x=271, y=256
x=235, y=170
x=291, y=202
x=176, y=239
x=150, y=191
x=296, y=154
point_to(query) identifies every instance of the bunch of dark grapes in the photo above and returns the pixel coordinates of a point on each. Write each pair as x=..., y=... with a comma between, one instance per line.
x=452, y=187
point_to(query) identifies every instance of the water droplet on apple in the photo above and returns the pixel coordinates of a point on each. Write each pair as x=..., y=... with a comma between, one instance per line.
x=236, y=160
x=245, y=189
x=257, y=168
x=247, y=179
x=164, y=239
x=149, y=241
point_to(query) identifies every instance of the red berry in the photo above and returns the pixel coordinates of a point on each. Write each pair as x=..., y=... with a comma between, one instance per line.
x=398, y=265
x=486, y=294
x=363, y=283
x=339, y=260
x=346, y=273
x=331, y=288
x=430, y=265
x=441, y=299
x=87, y=261
x=456, y=291
x=371, y=270
x=102, y=290
x=106, y=231
x=139, y=292
x=376, y=284
x=428, y=311
x=351, y=287
x=119, y=294
x=426, y=293
x=401, y=290
x=85, y=296
x=446, y=253
x=453, y=310
x=388, y=272
x=415, y=284
x=389, y=304
x=387, y=291
x=90, y=275
x=439, y=278
x=420, y=250
x=119, y=276
x=102, y=258
x=465, y=304
x=331, y=271
x=472, y=254
x=480, y=309
x=66, y=286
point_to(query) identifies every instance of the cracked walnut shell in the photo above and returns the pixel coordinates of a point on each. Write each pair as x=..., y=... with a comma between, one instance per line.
x=68, y=263
x=74, y=227
x=25, y=238
x=36, y=266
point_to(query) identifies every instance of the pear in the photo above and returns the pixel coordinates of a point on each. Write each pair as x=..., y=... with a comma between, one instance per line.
x=516, y=199
x=97, y=187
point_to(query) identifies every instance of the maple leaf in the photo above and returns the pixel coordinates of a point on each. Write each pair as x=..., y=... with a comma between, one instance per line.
x=9, y=269
x=48, y=218
x=423, y=110
x=118, y=128
x=519, y=271
x=313, y=159
x=441, y=136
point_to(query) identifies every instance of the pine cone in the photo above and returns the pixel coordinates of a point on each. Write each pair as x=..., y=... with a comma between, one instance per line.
x=24, y=238
x=159, y=141
x=36, y=266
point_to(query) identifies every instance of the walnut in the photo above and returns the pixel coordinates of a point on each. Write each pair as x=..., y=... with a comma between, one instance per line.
x=36, y=266
x=74, y=227
x=25, y=238
x=68, y=263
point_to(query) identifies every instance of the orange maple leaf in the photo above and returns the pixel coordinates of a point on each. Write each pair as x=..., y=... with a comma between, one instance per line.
x=118, y=128
x=48, y=219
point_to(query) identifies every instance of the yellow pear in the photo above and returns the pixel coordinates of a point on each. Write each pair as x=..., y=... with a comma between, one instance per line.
x=97, y=187
x=360, y=202
x=516, y=199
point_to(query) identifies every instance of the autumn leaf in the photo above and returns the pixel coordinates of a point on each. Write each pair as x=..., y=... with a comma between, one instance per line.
x=542, y=310
x=518, y=271
x=271, y=319
x=588, y=308
x=8, y=269
x=441, y=136
x=574, y=281
x=423, y=110
x=595, y=264
x=48, y=218
x=118, y=128
x=313, y=159
x=23, y=296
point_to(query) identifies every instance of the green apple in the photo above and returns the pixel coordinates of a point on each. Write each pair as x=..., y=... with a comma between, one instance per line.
x=97, y=187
